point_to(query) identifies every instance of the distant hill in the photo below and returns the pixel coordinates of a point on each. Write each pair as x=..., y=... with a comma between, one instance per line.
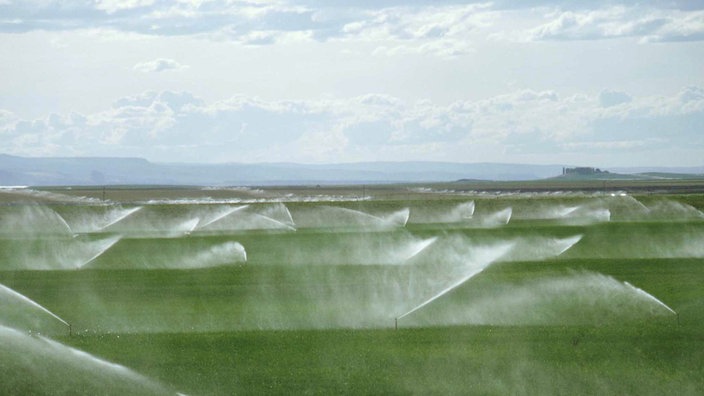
x=54, y=171
x=696, y=170
x=48, y=171
x=630, y=176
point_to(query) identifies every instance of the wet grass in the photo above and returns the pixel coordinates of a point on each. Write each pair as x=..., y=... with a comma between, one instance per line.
x=270, y=296
x=648, y=360
x=282, y=325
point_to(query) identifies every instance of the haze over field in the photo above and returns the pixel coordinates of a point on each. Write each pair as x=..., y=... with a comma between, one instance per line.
x=602, y=83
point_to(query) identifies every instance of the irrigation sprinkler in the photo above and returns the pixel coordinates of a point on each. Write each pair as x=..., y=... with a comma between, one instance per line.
x=395, y=323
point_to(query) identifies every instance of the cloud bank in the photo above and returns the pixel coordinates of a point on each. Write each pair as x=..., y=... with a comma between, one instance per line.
x=647, y=24
x=539, y=81
x=437, y=27
x=524, y=126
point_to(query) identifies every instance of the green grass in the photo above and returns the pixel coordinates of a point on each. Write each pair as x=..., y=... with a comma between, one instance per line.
x=289, y=322
x=448, y=360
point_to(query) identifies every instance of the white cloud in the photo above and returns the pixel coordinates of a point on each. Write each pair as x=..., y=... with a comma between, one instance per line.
x=647, y=24
x=427, y=28
x=111, y=6
x=6, y=118
x=157, y=18
x=445, y=31
x=158, y=65
x=536, y=126
x=689, y=27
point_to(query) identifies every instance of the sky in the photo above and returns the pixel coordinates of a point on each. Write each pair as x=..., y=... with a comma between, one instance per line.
x=587, y=83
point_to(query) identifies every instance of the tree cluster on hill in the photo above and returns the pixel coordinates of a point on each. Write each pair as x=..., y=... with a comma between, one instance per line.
x=582, y=171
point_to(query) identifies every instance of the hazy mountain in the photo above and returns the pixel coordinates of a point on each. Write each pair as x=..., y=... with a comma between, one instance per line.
x=98, y=171
x=111, y=171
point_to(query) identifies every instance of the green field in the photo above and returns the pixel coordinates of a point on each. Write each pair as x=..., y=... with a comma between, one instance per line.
x=387, y=290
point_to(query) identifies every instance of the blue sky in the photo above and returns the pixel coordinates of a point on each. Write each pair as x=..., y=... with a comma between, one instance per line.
x=599, y=83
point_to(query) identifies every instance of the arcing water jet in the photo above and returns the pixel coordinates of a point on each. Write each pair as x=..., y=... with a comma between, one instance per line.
x=247, y=217
x=8, y=294
x=217, y=255
x=398, y=218
x=463, y=211
x=187, y=226
x=340, y=217
x=570, y=299
x=31, y=221
x=419, y=247
x=103, y=246
x=278, y=212
x=488, y=256
x=567, y=243
x=650, y=297
x=118, y=215
x=540, y=248
x=54, y=253
x=443, y=292
x=219, y=215
x=501, y=217
x=275, y=223
x=86, y=219
x=49, y=367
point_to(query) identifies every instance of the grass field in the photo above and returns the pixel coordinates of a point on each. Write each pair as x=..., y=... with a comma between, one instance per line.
x=390, y=290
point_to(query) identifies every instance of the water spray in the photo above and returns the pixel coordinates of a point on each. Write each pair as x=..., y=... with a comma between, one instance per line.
x=222, y=215
x=277, y=223
x=442, y=292
x=106, y=244
x=496, y=253
x=654, y=299
x=64, y=223
x=123, y=214
x=417, y=248
x=27, y=300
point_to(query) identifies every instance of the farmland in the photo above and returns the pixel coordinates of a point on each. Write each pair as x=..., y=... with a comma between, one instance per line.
x=374, y=289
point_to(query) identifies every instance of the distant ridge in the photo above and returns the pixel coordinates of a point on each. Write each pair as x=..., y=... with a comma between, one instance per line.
x=696, y=170
x=67, y=171
x=53, y=171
